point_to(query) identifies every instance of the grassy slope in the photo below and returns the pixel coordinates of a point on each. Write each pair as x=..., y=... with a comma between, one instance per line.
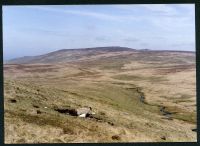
x=112, y=92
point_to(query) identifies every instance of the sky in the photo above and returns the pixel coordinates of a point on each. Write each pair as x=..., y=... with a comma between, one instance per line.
x=35, y=30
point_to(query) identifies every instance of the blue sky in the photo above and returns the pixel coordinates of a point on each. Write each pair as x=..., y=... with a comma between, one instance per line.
x=34, y=30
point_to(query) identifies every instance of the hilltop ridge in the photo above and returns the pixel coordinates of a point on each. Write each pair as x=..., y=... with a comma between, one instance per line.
x=68, y=55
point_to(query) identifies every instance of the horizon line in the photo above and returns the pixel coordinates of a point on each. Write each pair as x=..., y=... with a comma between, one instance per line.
x=136, y=49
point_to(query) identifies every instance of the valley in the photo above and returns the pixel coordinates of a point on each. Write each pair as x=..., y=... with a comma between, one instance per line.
x=137, y=96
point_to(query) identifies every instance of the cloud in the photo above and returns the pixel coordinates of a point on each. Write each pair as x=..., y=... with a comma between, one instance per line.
x=165, y=9
x=167, y=17
x=102, y=38
x=97, y=15
x=51, y=32
x=183, y=44
x=158, y=9
x=130, y=40
x=144, y=44
x=171, y=17
x=77, y=12
x=91, y=27
x=145, y=26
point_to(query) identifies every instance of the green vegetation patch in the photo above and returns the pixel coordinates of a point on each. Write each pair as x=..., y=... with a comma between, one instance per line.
x=180, y=114
x=138, y=78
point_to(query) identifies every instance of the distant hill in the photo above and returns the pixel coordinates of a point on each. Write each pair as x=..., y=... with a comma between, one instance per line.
x=66, y=55
x=70, y=55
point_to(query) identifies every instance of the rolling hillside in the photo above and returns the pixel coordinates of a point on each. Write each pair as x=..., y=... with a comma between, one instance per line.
x=137, y=95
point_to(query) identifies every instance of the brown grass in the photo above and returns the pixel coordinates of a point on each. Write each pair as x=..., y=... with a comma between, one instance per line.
x=112, y=87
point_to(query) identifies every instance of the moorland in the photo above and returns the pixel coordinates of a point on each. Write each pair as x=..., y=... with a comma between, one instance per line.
x=137, y=96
